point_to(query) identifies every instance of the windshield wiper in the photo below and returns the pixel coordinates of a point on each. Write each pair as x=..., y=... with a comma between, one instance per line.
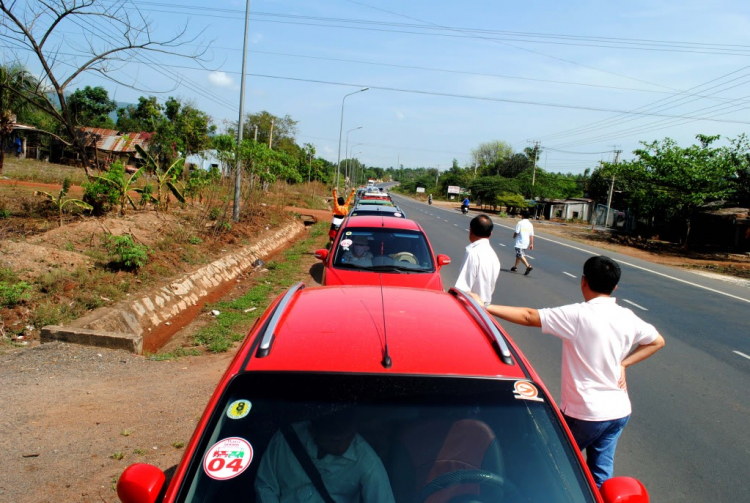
x=398, y=268
x=352, y=265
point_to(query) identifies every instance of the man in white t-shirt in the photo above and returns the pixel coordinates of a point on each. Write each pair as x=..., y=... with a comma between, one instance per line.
x=481, y=267
x=524, y=236
x=597, y=339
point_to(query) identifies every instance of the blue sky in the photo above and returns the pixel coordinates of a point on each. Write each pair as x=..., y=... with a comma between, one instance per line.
x=552, y=71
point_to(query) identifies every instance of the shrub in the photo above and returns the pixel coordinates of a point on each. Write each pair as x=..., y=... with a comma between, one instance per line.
x=125, y=252
x=100, y=192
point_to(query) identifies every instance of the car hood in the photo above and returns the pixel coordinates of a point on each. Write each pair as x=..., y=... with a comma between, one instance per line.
x=429, y=280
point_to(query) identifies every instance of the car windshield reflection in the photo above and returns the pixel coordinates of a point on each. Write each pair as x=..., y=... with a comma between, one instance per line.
x=381, y=249
x=403, y=438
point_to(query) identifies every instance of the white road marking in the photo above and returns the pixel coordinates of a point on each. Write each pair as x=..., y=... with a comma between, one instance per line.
x=741, y=354
x=501, y=244
x=641, y=268
x=467, y=230
x=634, y=304
x=568, y=274
x=455, y=225
x=529, y=256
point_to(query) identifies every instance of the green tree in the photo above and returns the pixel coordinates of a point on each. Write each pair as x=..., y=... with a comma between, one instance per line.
x=489, y=156
x=284, y=128
x=16, y=85
x=91, y=107
x=114, y=185
x=143, y=117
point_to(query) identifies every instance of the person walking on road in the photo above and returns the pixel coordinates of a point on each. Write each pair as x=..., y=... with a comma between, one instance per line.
x=524, y=236
x=481, y=267
x=597, y=339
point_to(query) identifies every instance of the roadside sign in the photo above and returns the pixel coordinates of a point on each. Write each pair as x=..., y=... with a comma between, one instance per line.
x=454, y=189
x=420, y=190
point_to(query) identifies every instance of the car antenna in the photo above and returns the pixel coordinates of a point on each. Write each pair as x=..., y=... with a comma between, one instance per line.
x=386, y=362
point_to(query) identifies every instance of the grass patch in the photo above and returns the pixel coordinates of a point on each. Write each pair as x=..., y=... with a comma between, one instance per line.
x=233, y=322
x=178, y=445
x=139, y=452
x=117, y=455
x=173, y=355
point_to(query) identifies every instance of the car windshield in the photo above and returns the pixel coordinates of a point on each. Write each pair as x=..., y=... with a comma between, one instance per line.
x=378, y=435
x=382, y=249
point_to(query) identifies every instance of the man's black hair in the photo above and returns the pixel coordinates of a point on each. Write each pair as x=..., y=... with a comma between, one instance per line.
x=341, y=201
x=481, y=226
x=602, y=274
x=525, y=213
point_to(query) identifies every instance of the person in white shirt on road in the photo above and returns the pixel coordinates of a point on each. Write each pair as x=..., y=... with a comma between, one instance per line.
x=481, y=267
x=524, y=236
x=597, y=339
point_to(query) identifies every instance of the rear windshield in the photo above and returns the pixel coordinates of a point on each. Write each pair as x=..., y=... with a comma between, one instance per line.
x=383, y=250
x=376, y=438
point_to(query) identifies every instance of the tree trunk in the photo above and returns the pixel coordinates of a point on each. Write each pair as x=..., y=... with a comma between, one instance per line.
x=2, y=154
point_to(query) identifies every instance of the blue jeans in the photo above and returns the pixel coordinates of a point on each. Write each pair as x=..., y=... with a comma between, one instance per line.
x=599, y=440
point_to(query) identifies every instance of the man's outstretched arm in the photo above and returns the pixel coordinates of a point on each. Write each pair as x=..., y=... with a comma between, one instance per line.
x=520, y=315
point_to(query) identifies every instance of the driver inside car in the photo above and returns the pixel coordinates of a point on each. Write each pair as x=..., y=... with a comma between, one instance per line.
x=350, y=469
x=358, y=253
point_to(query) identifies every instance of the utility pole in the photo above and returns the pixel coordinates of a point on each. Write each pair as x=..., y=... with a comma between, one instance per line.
x=238, y=174
x=256, y=134
x=536, y=154
x=270, y=135
x=611, y=189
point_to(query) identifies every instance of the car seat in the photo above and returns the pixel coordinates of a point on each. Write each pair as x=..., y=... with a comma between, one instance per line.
x=430, y=453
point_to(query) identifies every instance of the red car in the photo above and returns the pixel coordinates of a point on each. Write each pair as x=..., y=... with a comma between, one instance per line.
x=378, y=394
x=374, y=250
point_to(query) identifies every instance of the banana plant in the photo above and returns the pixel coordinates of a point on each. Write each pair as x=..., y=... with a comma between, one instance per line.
x=165, y=178
x=122, y=185
x=60, y=202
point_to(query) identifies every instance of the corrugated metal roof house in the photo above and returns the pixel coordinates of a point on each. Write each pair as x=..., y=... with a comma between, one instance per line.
x=111, y=145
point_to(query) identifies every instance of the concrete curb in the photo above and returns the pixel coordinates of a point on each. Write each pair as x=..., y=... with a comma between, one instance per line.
x=122, y=326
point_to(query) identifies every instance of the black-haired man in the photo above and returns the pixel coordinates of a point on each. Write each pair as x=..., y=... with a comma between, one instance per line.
x=597, y=339
x=481, y=267
x=524, y=236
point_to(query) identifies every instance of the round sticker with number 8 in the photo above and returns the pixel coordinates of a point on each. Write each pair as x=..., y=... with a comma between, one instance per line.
x=228, y=458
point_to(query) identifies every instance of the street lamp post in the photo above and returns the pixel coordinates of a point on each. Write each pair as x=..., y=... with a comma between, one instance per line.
x=346, y=151
x=349, y=155
x=354, y=166
x=341, y=129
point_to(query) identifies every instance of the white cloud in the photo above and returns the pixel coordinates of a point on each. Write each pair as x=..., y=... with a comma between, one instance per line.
x=400, y=115
x=327, y=150
x=256, y=38
x=221, y=79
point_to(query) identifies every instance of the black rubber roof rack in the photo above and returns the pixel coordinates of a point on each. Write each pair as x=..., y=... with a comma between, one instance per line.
x=481, y=315
x=269, y=334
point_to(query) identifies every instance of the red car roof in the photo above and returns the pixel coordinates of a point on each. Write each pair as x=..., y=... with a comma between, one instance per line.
x=389, y=222
x=341, y=329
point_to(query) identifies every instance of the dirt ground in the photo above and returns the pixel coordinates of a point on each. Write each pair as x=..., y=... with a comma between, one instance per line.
x=73, y=417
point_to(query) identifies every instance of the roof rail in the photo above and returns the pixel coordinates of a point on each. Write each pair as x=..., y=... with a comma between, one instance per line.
x=269, y=334
x=501, y=347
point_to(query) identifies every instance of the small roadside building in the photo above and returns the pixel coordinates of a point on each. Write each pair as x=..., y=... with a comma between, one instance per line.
x=575, y=208
x=110, y=145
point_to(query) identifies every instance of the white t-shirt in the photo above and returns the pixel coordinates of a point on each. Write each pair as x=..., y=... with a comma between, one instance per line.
x=479, y=270
x=597, y=336
x=524, y=229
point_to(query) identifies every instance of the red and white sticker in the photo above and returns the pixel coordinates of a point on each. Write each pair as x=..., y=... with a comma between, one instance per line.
x=228, y=458
x=346, y=243
x=524, y=390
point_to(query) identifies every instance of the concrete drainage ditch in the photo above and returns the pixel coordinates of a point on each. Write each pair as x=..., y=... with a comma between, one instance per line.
x=132, y=324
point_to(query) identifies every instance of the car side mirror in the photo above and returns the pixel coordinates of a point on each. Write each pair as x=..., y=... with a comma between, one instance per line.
x=443, y=260
x=623, y=490
x=140, y=483
x=321, y=254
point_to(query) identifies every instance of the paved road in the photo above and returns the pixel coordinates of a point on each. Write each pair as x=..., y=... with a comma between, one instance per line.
x=689, y=436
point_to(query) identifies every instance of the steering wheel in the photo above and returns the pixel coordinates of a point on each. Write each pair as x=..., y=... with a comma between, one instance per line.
x=481, y=477
x=405, y=257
